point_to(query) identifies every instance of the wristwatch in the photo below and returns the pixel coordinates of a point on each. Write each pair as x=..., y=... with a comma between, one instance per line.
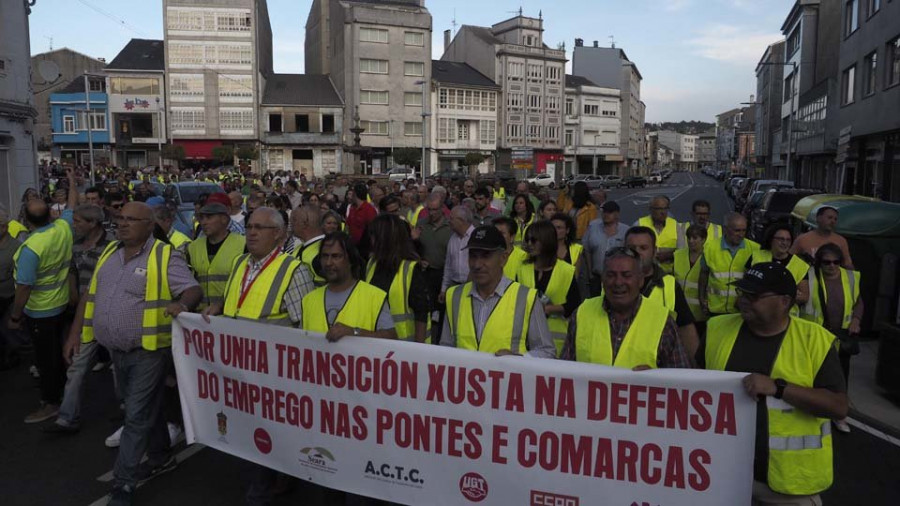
x=355, y=331
x=780, y=384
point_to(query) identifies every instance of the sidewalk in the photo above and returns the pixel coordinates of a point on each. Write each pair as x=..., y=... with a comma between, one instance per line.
x=868, y=401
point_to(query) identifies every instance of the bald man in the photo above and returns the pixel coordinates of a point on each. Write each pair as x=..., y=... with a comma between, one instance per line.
x=724, y=262
x=306, y=224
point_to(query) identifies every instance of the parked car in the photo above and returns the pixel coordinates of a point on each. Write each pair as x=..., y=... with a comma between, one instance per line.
x=593, y=182
x=655, y=177
x=450, y=175
x=734, y=185
x=666, y=173
x=503, y=176
x=183, y=195
x=612, y=181
x=542, y=181
x=401, y=174
x=158, y=187
x=634, y=182
x=775, y=207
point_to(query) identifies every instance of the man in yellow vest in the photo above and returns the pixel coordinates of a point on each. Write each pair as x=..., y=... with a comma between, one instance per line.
x=212, y=255
x=661, y=287
x=515, y=256
x=724, y=262
x=165, y=218
x=665, y=228
x=795, y=377
x=621, y=328
x=492, y=313
x=413, y=206
x=306, y=225
x=138, y=286
x=41, y=269
x=346, y=306
x=700, y=213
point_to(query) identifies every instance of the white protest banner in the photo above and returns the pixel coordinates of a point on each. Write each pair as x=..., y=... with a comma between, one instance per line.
x=420, y=424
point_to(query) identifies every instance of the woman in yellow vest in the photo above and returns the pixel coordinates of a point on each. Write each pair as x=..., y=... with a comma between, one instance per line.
x=552, y=278
x=522, y=210
x=776, y=248
x=394, y=268
x=687, y=272
x=835, y=303
x=567, y=249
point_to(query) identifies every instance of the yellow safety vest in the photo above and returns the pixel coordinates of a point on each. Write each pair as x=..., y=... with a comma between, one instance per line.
x=723, y=270
x=360, y=311
x=500, y=332
x=593, y=339
x=307, y=254
x=264, y=300
x=398, y=298
x=500, y=194
x=515, y=260
x=157, y=326
x=413, y=215
x=575, y=251
x=688, y=277
x=213, y=275
x=814, y=310
x=53, y=247
x=665, y=295
x=667, y=239
x=16, y=228
x=557, y=289
x=800, y=456
x=179, y=240
x=520, y=233
x=713, y=232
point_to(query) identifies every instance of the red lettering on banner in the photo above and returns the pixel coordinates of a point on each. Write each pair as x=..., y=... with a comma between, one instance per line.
x=626, y=461
x=604, y=463
x=496, y=377
x=498, y=442
x=271, y=404
x=244, y=353
x=547, y=400
x=454, y=437
x=203, y=343
x=650, y=454
x=576, y=455
x=514, y=396
x=675, y=468
x=360, y=431
x=335, y=419
x=288, y=361
x=636, y=401
x=435, y=383
x=700, y=420
x=725, y=417
x=617, y=399
x=597, y=394
x=472, y=447
x=654, y=405
x=475, y=394
x=526, y=458
x=698, y=460
x=308, y=372
x=677, y=404
x=548, y=445
x=427, y=433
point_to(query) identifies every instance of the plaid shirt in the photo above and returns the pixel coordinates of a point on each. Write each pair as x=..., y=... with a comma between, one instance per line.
x=301, y=284
x=84, y=261
x=669, y=355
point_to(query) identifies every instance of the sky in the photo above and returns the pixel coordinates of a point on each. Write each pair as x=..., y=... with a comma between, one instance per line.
x=697, y=57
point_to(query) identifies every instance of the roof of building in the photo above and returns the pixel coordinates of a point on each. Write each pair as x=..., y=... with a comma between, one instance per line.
x=484, y=34
x=76, y=86
x=68, y=50
x=300, y=89
x=140, y=54
x=400, y=3
x=459, y=73
x=575, y=81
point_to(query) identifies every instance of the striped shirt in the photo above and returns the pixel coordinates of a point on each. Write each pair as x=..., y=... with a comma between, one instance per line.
x=84, y=260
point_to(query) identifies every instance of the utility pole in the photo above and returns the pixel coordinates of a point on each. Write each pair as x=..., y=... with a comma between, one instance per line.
x=159, y=130
x=425, y=116
x=87, y=116
x=790, y=175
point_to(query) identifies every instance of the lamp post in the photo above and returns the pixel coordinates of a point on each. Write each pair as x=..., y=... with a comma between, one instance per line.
x=425, y=115
x=87, y=117
x=159, y=129
x=793, y=65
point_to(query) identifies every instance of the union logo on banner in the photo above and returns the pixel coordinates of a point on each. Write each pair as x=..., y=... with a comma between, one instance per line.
x=473, y=487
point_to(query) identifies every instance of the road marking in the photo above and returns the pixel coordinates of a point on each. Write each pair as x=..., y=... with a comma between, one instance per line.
x=185, y=454
x=873, y=431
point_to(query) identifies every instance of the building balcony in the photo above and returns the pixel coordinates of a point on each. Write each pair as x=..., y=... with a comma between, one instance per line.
x=532, y=51
x=301, y=138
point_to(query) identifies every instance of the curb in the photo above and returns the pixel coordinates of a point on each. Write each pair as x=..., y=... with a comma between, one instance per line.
x=875, y=423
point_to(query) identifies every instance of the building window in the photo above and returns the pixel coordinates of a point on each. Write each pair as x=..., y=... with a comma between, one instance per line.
x=133, y=86
x=487, y=131
x=68, y=124
x=373, y=97
x=414, y=38
x=443, y=97
x=492, y=101
x=446, y=126
x=235, y=88
x=301, y=123
x=275, y=123
x=554, y=73
x=185, y=54
x=534, y=101
x=368, y=66
x=186, y=87
x=871, y=68
x=413, y=98
x=893, y=62
x=98, y=120
x=848, y=84
x=232, y=54
x=95, y=85
x=514, y=131
x=553, y=103
x=328, y=123
x=570, y=138
x=375, y=127
x=873, y=7
x=192, y=19
x=373, y=35
x=236, y=120
x=591, y=110
x=788, y=87
x=552, y=132
x=793, y=42
x=851, y=16
x=534, y=131
x=514, y=100
x=188, y=120
x=414, y=68
x=570, y=107
x=412, y=128
x=535, y=71
x=515, y=70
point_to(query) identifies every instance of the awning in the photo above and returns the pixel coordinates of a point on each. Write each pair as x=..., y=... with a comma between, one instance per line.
x=197, y=150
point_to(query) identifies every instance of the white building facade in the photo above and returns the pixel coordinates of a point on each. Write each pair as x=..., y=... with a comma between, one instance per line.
x=592, y=127
x=689, y=152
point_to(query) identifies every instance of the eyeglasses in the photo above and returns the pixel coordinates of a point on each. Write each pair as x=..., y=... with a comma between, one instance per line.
x=622, y=250
x=753, y=297
x=255, y=227
x=130, y=219
x=829, y=262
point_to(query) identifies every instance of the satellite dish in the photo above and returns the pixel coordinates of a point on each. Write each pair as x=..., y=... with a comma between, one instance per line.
x=48, y=70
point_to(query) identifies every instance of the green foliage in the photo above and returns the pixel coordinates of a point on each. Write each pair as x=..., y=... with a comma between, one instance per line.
x=474, y=159
x=173, y=152
x=407, y=156
x=248, y=153
x=224, y=154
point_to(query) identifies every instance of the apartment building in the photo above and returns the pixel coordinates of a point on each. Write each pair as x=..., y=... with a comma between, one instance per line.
x=532, y=77
x=378, y=55
x=688, y=152
x=465, y=116
x=592, y=127
x=217, y=56
x=609, y=67
x=706, y=149
x=72, y=112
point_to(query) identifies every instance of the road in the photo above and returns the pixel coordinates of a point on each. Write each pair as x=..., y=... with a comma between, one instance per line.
x=46, y=469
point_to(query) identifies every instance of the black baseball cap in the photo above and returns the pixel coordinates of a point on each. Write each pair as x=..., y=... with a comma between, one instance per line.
x=610, y=206
x=767, y=277
x=486, y=238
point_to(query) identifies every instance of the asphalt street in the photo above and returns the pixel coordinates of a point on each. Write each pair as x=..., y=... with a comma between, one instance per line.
x=37, y=468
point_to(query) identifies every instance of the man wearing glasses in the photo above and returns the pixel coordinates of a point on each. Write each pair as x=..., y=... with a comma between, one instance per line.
x=138, y=286
x=666, y=230
x=700, y=213
x=795, y=377
x=723, y=263
x=622, y=328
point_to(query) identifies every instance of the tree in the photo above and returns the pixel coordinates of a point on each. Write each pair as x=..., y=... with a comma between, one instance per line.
x=173, y=152
x=247, y=153
x=472, y=161
x=407, y=156
x=224, y=154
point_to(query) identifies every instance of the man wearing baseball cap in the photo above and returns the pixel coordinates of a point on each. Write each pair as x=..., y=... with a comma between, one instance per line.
x=212, y=254
x=222, y=198
x=603, y=234
x=796, y=378
x=492, y=313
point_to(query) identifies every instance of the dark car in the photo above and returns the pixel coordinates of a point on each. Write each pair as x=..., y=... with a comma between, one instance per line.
x=775, y=207
x=634, y=182
x=450, y=175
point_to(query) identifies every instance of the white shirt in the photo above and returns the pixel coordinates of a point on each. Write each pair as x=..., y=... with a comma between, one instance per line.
x=456, y=264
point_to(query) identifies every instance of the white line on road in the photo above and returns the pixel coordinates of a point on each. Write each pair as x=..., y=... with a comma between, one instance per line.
x=185, y=454
x=873, y=431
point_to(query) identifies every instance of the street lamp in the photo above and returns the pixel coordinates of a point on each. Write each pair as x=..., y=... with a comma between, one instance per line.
x=425, y=115
x=159, y=130
x=793, y=65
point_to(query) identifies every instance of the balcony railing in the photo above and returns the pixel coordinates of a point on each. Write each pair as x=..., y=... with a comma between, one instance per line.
x=528, y=50
x=309, y=138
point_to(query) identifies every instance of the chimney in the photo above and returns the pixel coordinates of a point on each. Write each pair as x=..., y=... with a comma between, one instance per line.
x=579, y=42
x=446, y=39
x=596, y=43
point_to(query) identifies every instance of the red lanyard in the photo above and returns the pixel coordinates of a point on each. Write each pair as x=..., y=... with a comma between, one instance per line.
x=245, y=291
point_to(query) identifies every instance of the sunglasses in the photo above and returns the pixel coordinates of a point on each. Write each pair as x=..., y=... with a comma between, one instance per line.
x=829, y=262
